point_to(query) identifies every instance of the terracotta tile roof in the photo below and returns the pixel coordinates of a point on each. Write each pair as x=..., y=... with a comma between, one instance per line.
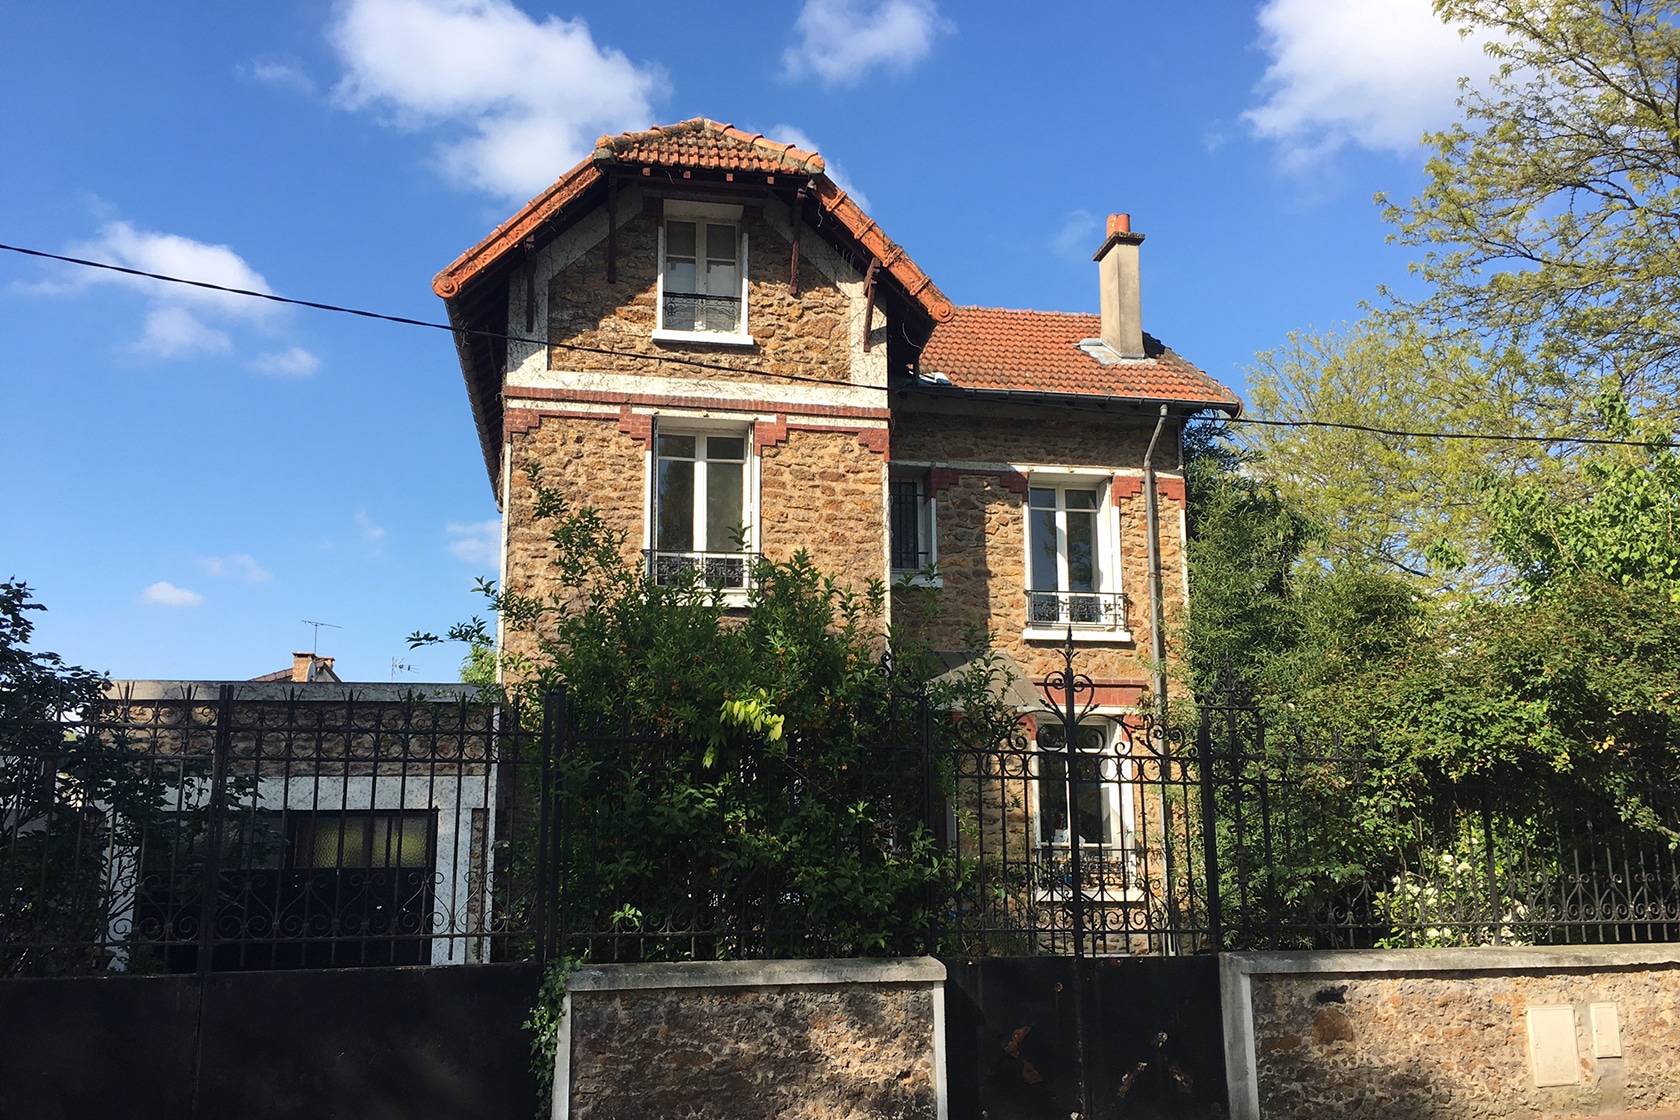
x=1038, y=351
x=702, y=143
x=706, y=146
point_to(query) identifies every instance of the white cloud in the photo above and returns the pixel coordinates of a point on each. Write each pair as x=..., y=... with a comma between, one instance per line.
x=533, y=95
x=479, y=542
x=371, y=533
x=296, y=362
x=166, y=594
x=788, y=134
x=240, y=565
x=181, y=320
x=843, y=40
x=286, y=76
x=1079, y=235
x=173, y=331
x=1377, y=73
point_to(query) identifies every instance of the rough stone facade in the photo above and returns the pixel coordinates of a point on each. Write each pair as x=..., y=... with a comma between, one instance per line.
x=589, y=460
x=809, y=335
x=797, y=1050
x=825, y=492
x=1454, y=1045
x=981, y=527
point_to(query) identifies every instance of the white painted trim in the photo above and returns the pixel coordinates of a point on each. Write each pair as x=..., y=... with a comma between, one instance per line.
x=684, y=209
x=768, y=390
x=560, y=1094
x=941, y=1087
x=1236, y=1005
x=756, y=974
x=706, y=338
x=1080, y=637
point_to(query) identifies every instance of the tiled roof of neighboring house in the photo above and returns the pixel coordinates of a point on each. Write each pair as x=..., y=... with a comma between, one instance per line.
x=706, y=146
x=1038, y=352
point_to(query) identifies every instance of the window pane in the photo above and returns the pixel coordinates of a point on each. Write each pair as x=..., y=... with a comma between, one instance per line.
x=1052, y=788
x=726, y=447
x=720, y=244
x=1044, y=575
x=1081, y=499
x=675, y=499
x=1092, y=799
x=723, y=506
x=681, y=447
x=908, y=551
x=679, y=239
x=1082, y=550
x=1043, y=499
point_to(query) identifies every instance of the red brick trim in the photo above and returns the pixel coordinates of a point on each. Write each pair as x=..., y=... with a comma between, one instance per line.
x=733, y=404
x=941, y=479
x=1128, y=486
x=518, y=421
x=636, y=427
x=878, y=440
x=1112, y=692
x=770, y=434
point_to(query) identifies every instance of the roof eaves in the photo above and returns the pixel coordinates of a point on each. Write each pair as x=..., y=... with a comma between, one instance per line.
x=1231, y=406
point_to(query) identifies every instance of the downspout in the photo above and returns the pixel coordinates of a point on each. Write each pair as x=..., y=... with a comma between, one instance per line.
x=1157, y=623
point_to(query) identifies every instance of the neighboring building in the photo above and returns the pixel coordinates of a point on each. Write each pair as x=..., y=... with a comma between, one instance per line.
x=307, y=668
x=697, y=333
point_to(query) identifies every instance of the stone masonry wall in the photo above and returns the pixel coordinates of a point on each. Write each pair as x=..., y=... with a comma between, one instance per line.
x=1454, y=1045
x=789, y=1049
x=592, y=463
x=824, y=492
x=982, y=525
x=808, y=334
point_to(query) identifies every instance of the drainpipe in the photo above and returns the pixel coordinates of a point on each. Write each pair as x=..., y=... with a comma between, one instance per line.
x=1157, y=634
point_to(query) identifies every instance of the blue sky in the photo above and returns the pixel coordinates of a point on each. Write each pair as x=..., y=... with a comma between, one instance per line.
x=183, y=479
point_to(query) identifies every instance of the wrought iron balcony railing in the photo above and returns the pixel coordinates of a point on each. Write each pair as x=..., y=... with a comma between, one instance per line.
x=691, y=311
x=727, y=570
x=1095, y=610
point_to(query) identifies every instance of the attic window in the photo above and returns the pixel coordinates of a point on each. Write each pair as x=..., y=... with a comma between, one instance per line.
x=702, y=275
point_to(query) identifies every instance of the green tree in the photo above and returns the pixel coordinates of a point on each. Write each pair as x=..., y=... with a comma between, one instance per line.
x=738, y=783
x=1551, y=216
x=60, y=798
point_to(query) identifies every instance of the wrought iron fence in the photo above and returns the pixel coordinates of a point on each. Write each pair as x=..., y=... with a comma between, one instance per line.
x=693, y=311
x=193, y=828
x=1082, y=609
x=726, y=570
x=260, y=826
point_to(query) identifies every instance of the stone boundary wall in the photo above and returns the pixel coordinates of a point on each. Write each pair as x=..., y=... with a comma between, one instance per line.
x=1489, y=1033
x=754, y=1040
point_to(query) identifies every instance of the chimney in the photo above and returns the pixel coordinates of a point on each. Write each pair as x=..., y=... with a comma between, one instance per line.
x=307, y=667
x=1122, y=297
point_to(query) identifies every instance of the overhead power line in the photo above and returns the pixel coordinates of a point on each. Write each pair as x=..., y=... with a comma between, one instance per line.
x=696, y=363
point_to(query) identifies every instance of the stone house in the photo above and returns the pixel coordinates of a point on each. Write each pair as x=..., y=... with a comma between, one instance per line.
x=698, y=333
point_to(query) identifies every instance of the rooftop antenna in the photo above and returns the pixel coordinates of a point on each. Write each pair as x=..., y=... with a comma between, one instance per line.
x=315, y=642
x=400, y=667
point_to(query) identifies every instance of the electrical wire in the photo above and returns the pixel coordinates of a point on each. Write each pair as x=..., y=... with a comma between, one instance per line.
x=403, y=320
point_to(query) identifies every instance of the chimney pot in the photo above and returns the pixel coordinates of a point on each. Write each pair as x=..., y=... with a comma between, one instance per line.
x=1119, y=223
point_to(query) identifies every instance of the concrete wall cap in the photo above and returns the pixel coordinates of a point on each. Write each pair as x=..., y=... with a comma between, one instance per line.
x=755, y=974
x=1483, y=959
x=314, y=692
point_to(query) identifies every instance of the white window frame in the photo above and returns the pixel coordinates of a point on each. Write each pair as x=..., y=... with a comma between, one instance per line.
x=701, y=429
x=927, y=524
x=701, y=213
x=1108, y=556
x=1119, y=807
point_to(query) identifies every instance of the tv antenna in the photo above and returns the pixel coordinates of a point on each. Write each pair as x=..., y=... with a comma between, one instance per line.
x=400, y=667
x=315, y=642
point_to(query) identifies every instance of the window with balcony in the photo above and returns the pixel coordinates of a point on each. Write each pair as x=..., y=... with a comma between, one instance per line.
x=700, y=510
x=1070, y=567
x=702, y=275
